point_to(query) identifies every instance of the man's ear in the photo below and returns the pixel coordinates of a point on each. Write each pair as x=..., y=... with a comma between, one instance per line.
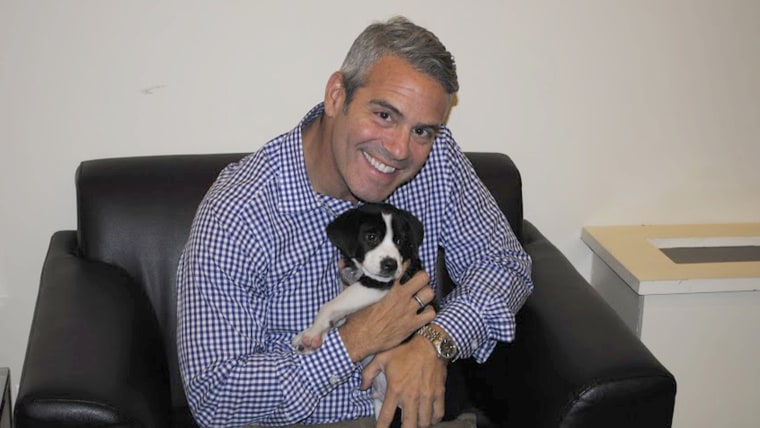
x=335, y=94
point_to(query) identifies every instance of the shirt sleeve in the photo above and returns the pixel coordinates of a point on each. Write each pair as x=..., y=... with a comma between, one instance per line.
x=232, y=373
x=486, y=261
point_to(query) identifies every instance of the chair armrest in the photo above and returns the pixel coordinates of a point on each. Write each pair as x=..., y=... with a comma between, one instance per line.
x=94, y=356
x=574, y=362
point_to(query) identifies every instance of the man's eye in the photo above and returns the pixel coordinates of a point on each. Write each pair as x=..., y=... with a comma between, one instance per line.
x=383, y=115
x=424, y=133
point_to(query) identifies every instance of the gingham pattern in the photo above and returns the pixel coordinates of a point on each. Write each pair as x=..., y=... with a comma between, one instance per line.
x=258, y=265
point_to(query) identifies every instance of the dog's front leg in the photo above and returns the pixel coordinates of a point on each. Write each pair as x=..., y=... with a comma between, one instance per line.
x=350, y=300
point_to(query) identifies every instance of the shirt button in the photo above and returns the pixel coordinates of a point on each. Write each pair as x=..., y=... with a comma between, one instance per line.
x=334, y=380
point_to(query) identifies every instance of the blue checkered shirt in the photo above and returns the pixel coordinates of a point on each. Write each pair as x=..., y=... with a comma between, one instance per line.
x=258, y=265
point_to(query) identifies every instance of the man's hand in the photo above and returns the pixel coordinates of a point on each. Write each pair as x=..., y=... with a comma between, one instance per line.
x=416, y=380
x=390, y=321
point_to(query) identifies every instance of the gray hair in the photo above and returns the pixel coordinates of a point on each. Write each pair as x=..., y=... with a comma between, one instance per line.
x=402, y=38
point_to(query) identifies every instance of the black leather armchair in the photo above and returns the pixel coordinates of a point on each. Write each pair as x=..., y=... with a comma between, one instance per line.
x=101, y=349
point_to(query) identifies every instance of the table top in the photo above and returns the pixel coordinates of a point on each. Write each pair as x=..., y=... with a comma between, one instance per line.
x=636, y=254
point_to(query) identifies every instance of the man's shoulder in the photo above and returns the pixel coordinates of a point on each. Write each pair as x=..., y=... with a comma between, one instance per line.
x=446, y=156
x=239, y=182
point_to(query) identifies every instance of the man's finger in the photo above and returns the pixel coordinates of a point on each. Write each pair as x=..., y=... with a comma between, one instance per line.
x=418, y=282
x=426, y=415
x=426, y=294
x=369, y=374
x=387, y=412
x=439, y=408
x=409, y=414
x=426, y=315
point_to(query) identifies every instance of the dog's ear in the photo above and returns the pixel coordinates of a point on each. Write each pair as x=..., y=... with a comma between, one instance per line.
x=342, y=232
x=416, y=230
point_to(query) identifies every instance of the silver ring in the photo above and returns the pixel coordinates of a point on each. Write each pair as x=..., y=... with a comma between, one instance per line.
x=419, y=301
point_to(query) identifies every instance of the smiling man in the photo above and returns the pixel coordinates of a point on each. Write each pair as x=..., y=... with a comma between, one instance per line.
x=381, y=138
x=258, y=265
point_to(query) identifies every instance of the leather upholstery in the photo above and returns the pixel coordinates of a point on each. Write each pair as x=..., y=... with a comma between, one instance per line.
x=149, y=203
x=102, y=351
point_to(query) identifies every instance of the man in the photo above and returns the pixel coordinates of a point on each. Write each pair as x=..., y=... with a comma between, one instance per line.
x=258, y=264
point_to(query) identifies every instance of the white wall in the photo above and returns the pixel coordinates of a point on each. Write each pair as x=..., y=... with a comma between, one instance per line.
x=617, y=112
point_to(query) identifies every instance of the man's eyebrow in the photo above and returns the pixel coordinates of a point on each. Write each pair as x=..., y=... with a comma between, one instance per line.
x=385, y=104
x=389, y=106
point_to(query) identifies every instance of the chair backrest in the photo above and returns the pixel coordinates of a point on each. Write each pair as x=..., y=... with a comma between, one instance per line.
x=136, y=213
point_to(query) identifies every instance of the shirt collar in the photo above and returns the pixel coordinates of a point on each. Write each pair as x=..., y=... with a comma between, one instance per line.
x=295, y=193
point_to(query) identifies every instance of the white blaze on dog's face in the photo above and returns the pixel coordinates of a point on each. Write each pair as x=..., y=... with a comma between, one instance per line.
x=382, y=260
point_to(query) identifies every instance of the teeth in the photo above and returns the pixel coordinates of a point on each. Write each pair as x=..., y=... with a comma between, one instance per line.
x=379, y=165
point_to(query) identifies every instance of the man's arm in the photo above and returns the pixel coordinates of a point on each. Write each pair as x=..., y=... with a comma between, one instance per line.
x=416, y=382
x=234, y=373
x=492, y=273
x=490, y=268
x=385, y=324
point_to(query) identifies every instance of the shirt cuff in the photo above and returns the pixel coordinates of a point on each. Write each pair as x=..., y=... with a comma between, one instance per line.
x=329, y=366
x=465, y=326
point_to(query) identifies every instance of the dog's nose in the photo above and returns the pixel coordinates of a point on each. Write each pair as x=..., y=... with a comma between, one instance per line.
x=388, y=265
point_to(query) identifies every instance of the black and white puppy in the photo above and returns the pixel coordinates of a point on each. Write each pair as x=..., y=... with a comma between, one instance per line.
x=375, y=241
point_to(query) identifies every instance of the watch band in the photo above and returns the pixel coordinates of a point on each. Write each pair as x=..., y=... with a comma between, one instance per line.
x=444, y=346
x=428, y=333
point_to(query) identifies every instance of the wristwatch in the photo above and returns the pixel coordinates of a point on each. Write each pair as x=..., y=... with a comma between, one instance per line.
x=444, y=345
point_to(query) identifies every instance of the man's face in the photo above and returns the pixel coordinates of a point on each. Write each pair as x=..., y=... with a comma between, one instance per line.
x=384, y=136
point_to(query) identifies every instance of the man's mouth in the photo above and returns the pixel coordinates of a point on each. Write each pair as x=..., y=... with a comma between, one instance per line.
x=385, y=169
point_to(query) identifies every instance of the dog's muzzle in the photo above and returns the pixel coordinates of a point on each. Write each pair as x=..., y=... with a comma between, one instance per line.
x=388, y=266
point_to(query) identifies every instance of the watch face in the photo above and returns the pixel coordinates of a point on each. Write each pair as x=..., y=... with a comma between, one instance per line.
x=448, y=349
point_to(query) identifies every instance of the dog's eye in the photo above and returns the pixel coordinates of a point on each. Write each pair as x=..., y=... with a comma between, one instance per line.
x=397, y=241
x=371, y=237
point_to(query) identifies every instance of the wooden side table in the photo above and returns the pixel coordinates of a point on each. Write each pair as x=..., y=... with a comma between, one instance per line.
x=6, y=410
x=692, y=294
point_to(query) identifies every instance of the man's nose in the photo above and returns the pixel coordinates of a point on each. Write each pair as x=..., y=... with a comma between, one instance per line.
x=397, y=143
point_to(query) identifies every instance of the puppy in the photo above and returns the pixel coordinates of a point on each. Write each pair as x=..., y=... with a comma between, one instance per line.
x=375, y=241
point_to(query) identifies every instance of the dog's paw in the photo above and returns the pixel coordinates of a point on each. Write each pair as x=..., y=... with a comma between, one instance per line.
x=307, y=342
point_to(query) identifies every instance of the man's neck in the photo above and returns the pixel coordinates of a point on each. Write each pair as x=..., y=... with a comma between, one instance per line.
x=320, y=164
